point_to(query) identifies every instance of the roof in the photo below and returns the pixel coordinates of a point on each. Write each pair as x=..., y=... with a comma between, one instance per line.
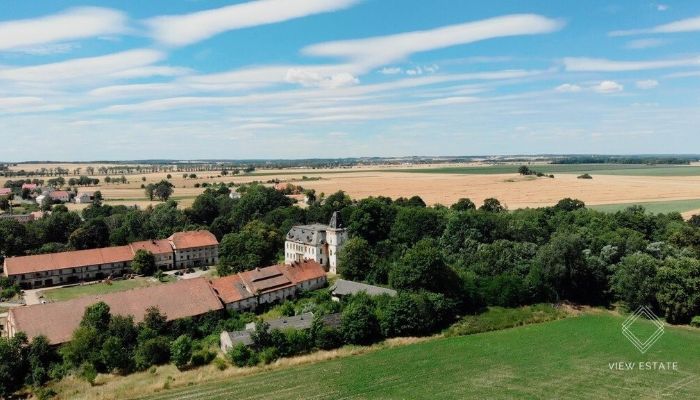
x=308, y=234
x=305, y=271
x=161, y=246
x=344, y=288
x=58, y=194
x=336, y=221
x=57, y=321
x=191, y=239
x=230, y=288
x=237, y=337
x=68, y=259
x=5, y=191
x=247, y=284
x=301, y=321
x=30, y=186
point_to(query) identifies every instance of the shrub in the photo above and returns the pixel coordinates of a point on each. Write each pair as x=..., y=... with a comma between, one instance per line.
x=88, y=372
x=202, y=357
x=220, y=363
x=240, y=355
x=181, y=351
x=585, y=176
x=695, y=321
x=268, y=355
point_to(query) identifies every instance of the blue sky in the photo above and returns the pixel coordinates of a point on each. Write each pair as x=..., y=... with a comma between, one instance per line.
x=341, y=78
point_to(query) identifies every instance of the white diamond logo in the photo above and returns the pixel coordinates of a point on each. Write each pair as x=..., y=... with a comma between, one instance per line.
x=643, y=346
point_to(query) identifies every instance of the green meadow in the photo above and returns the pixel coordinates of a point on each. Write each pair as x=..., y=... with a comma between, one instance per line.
x=580, y=357
x=654, y=207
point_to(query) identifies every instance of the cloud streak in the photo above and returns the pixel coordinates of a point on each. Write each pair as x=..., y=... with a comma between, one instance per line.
x=76, y=23
x=182, y=30
x=603, y=65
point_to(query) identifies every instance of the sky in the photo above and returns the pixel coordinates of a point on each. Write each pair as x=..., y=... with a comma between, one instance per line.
x=126, y=80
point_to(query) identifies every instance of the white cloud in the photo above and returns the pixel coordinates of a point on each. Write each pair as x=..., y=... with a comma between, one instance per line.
x=77, y=23
x=608, y=87
x=47, y=49
x=134, y=90
x=390, y=70
x=662, y=7
x=81, y=68
x=683, y=25
x=376, y=51
x=315, y=79
x=152, y=70
x=420, y=70
x=647, y=84
x=568, y=88
x=644, y=43
x=181, y=30
x=603, y=65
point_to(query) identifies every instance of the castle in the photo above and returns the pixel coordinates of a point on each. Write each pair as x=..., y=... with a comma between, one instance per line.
x=317, y=242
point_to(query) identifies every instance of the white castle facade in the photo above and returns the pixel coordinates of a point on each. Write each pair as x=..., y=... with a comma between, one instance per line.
x=317, y=242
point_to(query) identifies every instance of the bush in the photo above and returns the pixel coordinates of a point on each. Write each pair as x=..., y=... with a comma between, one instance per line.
x=181, y=351
x=268, y=355
x=240, y=355
x=695, y=321
x=202, y=357
x=88, y=372
x=220, y=363
x=585, y=176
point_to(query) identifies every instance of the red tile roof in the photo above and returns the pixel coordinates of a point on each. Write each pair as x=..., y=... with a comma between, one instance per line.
x=58, y=194
x=192, y=239
x=57, y=321
x=264, y=280
x=161, y=246
x=5, y=191
x=68, y=259
x=30, y=186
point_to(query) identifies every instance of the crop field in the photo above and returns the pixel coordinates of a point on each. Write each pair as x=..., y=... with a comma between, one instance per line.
x=681, y=206
x=565, y=359
x=599, y=169
x=612, y=186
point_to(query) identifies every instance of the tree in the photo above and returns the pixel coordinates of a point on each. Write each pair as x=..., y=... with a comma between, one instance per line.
x=634, y=280
x=46, y=203
x=569, y=204
x=152, y=351
x=355, y=259
x=154, y=320
x=359, y=324
x=524, y=170
x=679, y=289
x=254, y=246
x=372, y=219
x=163, y=190
x=492, y=205
x=204, y=209
x=144, y=262
x=463, y=204
x=414, y=223
x=150, y=191
x=97, y=316
x=40, y=357
x=12, y=364
x=422, y=267
x=181, y=351
x=97, y=199
x=93, y=235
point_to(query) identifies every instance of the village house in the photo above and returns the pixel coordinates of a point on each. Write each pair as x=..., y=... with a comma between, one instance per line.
x=57, y=321
x=5, y=192
x=56, y=195
x=200, y=248
x=29, y=186
x=317, y=242
x=84, y=198
x=246, y=290
x=194, y=249
x=24, y=218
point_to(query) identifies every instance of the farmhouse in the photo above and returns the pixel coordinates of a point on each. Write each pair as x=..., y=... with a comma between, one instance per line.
x=182, y=249
x=303, y=321
x=57, y=321
x=317, y=242
x=246, y=290
x=84, y=198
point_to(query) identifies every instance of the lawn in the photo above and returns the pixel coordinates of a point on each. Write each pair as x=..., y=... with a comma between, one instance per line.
x=593, y=169
x=67, y=293
x=564, y=359
x=655, y=207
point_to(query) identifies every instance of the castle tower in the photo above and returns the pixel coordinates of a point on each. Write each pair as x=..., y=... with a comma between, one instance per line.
x=336, y=236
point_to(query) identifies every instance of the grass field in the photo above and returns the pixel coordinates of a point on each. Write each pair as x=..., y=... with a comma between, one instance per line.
x=67, y=293
x=655, y=207
x=593, y=169
x=564, y=359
